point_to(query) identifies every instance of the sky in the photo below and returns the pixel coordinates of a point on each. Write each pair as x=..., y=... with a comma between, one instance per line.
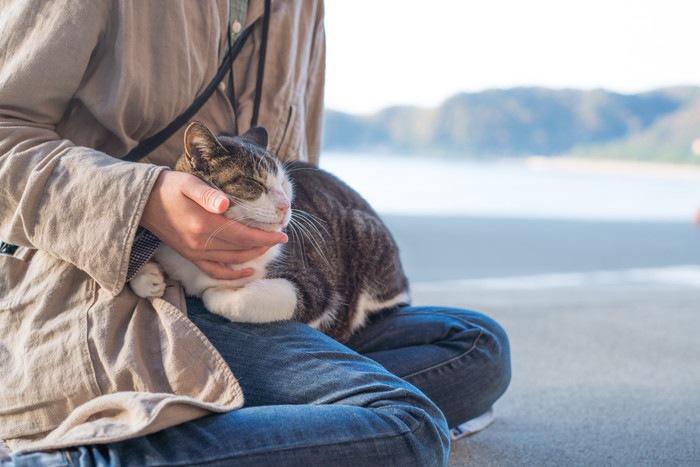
x=408, y=52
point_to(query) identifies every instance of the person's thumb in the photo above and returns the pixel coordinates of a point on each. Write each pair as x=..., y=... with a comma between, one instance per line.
x=209, y=198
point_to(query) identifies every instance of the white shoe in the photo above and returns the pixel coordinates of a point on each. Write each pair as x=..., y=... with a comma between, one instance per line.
x=472, y=426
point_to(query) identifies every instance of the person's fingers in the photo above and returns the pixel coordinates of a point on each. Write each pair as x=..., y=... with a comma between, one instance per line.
x=230, y=234
x=207, y=197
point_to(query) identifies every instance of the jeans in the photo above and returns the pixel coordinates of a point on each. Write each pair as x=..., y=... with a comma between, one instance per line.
x=387, y=398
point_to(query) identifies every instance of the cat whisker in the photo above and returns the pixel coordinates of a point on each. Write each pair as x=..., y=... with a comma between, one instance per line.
x=313, y=222
x=220, y=228
x=297, y=240
x=311, y=229
x=312, y=216
x=309, y=235
x=311, y=219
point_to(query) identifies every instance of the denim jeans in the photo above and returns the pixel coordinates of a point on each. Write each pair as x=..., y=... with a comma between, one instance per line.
x=386, y=398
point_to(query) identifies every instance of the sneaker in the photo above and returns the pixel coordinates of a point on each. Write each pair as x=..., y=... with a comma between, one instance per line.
x=472, y=426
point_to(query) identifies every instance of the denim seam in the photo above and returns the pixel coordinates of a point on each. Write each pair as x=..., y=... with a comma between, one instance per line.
x=446, y=362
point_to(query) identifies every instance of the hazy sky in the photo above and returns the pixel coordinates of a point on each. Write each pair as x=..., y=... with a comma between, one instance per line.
x=387, y=52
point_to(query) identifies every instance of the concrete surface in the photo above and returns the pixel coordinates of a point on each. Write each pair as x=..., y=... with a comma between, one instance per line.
x=602, y=375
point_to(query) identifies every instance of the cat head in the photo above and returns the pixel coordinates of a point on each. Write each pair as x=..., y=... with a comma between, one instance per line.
x=255, y=181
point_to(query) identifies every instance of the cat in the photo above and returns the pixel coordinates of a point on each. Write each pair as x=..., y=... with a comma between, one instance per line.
x=341, y=263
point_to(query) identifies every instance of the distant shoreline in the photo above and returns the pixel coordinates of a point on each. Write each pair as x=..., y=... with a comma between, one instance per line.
x=613, y=167
x=571, y=164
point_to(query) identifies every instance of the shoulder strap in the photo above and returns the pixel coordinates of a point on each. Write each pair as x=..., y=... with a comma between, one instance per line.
x=146, y=146
x=261, y=64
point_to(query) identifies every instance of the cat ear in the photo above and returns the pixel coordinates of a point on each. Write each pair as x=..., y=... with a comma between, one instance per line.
x=200, y=144
x=257, y=136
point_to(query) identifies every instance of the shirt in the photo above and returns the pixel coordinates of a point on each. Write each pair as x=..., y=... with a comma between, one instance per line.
x=83, y=359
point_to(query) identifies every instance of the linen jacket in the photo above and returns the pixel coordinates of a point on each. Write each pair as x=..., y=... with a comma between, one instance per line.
x=82, y=359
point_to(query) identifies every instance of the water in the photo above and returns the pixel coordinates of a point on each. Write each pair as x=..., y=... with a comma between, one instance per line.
x=447, y=187
x=507, y=224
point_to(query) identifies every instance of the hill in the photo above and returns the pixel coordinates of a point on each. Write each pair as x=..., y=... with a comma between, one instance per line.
x=656, y=125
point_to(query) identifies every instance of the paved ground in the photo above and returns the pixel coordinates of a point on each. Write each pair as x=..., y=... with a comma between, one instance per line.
x=604, y=321
x=602, y=375
x=445, y=248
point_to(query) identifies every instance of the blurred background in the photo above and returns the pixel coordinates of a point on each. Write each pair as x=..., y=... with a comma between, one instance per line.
x=540, y=161
x=487, y=116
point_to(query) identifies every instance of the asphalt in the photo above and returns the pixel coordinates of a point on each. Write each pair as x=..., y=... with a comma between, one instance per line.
x=604, y=323
x=602, y=375
x=448, y=248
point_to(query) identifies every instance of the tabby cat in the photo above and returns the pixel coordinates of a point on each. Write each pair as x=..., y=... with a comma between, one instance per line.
x=340, y=265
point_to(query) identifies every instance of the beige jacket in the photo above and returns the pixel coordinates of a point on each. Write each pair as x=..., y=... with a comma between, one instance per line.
x=82, y=359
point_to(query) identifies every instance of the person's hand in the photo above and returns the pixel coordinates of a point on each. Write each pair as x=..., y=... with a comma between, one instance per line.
x=185, y=213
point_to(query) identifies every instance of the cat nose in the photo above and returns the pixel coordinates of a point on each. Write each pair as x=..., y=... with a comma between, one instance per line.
x=282, y=207
x=281, y=201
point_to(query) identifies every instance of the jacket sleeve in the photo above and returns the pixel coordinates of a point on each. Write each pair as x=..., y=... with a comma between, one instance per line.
x=76, y=203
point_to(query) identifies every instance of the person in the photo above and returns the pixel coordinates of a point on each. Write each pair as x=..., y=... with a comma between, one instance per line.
x=93, y=375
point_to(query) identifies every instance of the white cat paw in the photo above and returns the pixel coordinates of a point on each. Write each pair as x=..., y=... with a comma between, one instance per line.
x=259, y=301
x=280, y=302
x=149, y=281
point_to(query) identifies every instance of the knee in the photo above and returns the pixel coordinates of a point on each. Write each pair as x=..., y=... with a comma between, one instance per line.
x=484, y=356
x=492, y=348
x=424, y=434
x=492, y=338
x=491, y=345
x=495, y=345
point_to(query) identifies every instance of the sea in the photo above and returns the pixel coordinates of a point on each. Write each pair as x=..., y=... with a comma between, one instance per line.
x=511, y=188
x=529, y=223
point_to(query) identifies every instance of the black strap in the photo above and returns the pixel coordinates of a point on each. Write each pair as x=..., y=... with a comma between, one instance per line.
x=261, y=65
x=7, y=249
x=232, y=87
x=146, y=146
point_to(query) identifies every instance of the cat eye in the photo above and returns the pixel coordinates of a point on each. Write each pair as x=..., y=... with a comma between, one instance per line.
x=257, y=182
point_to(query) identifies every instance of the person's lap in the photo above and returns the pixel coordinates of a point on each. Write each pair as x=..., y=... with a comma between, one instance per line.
x=310, y=400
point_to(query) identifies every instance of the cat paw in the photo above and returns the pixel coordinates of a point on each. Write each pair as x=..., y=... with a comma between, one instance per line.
x=280, y=300
x=260, y=301
x=149, y=281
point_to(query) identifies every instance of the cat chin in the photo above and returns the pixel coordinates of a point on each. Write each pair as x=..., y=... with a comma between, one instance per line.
x=268, y=226
x=276, y=227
